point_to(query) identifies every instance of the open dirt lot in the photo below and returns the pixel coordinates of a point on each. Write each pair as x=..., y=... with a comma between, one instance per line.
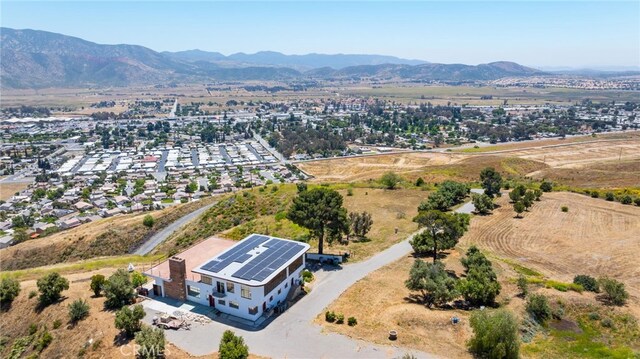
x=594, y=237
x=9, y=189
x=606, y=163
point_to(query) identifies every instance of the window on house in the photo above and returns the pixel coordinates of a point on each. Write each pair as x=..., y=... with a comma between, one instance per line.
x=193, y=291
x=253, y=310
x=286, y=285
x=206, y=280
x=271, y=299
x=233, y=305
x=245, y=292
x=221, y=302
x=279, y=291
x=230, y=287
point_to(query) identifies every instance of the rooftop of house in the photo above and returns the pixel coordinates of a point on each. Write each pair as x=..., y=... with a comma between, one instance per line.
x=254, y=260
x=193, y=256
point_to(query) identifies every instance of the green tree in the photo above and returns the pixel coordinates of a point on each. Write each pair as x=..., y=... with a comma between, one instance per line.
x=232, y=346
x=150, y=343
x=491, y=181
x=419, y=182
x=527, y=199
x=9, y=290
x=50, y=286
x=97, y=282
x=441, y=231
x=191, y=187
x=360, y=223
x=20, y=235
x=390, y=180
x=480, y=285
x=78, y=310
x=495, y=335
x=538, y=306
x=433, y=282
x=148, y=221
x=320, y=211
x=128, y=319
x=138, y=279
x=483, y=203
x=546, y=186
x=518, y=207
x=614, y=291
x=118, y=289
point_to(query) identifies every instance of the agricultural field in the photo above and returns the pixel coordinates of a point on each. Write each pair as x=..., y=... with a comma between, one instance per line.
x=595, y=237
x=443, y=94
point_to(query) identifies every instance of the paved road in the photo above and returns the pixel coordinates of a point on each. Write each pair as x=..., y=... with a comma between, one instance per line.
x=293, y=334
x=159, y=237
x=468, y=207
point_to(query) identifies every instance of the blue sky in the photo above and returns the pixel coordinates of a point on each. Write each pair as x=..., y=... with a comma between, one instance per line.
x=537, y=33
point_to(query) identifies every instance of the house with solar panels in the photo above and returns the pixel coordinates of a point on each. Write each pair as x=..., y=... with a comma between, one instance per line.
x=247, y=279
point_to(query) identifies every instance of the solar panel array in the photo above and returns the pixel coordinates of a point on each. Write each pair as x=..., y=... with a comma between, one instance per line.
x=267, y=262
x=235, y=254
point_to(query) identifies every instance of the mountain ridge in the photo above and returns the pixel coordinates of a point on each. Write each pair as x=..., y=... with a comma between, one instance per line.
x=37, y=59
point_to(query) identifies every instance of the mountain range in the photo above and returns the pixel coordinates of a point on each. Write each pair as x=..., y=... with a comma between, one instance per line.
x=38, y=59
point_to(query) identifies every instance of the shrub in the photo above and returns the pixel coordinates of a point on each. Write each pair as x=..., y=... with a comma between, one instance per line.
x=626, y=199
x=150, y=343
x=614, y=291
x=9, y=290
x=128, y=319
x=32, y=294
x=232, y=347
x=390, y=180
x=330, y=316
x=546, y=186
x=50, y=286
x=607, y=323
x=45, y=339
x=148, y=221
x=352, y=321
x=609, y=196
x=118, y=289
x=495, y=335
x=57, y=323
x=595, y=194
x=349, y=192
x=538, y=307
x=523, y=285
x=33, y=328
x=594, y=316
x=587, y=282
x=419, y=182
x=637, y=201
x=97, y=281
x=339, y=318
x=564, y=209
x=307, y=276
x=138, y=279
x=78, y=310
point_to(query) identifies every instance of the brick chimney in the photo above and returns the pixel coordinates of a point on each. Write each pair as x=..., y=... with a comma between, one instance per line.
x=176, y=287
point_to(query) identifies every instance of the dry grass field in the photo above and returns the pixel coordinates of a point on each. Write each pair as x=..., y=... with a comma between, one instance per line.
x=96, y=334
x=379, y=303
x=610, y=163
x=9, y=189
x=594, y=237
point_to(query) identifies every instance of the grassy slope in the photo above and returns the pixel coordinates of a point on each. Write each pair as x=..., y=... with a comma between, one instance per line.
x=106, y=237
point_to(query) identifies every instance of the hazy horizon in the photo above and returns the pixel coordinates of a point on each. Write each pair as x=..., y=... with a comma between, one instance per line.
x=575, y=34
